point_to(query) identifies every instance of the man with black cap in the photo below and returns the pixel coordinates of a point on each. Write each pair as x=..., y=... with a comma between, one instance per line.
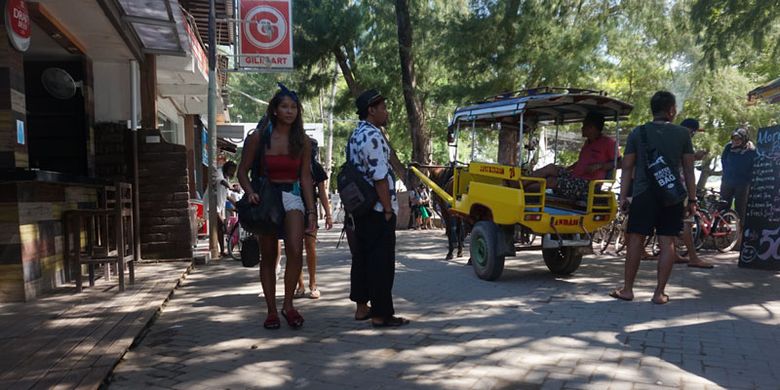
x=373, y=243
x=693, y=259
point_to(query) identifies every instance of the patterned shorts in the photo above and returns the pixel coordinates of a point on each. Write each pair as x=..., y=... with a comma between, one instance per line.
x=570, y=186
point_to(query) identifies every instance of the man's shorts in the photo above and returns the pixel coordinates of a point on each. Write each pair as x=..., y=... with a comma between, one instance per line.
x=570, y=186
x=647, y=213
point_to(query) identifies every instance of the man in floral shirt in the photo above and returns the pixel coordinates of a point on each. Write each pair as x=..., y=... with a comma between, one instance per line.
x=373, y=247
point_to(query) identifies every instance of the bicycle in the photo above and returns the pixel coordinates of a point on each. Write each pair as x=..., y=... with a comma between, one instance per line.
x=235, y=237
x=614, y=230
x=715, y=219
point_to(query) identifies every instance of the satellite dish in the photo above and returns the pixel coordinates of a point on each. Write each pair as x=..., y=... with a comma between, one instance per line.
x=59, y=83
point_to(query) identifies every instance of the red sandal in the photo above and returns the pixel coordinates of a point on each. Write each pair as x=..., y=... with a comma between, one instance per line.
x=293, y=318
x=272, y=322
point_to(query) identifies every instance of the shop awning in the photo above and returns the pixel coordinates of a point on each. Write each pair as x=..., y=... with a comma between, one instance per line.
x=154, y=25
x=769, y=92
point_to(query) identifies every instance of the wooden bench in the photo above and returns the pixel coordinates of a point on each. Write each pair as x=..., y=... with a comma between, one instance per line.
x=109, y=236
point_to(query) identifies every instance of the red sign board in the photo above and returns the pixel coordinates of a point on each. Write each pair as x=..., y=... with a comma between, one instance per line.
x=17, y=23
x=265, y=34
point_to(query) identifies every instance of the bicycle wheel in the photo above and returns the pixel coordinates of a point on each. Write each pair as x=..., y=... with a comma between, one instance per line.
x=725, y=231
x=652, y=242
x=234, y=242
x=600, y=238
x=620, y=239
x=698, y=240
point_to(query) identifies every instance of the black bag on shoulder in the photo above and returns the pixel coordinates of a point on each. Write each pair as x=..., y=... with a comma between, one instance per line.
x=664, y=182
x=357, y=195
x=268, y=216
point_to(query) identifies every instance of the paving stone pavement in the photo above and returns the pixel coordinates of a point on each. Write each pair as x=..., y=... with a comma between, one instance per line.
x=527, y=330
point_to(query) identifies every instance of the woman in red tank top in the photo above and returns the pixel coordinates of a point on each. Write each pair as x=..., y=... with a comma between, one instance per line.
x=287, y=164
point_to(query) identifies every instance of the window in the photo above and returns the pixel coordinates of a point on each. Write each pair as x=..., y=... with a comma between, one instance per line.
x=169, y=128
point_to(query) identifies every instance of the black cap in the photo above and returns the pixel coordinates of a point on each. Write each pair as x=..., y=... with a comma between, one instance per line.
x=691, y=124
x=368, y=99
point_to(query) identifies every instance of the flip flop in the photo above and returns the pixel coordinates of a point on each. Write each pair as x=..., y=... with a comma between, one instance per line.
x=293, y=318
x=616, y=294
x=272, y=322
x=664, y=301
x=391, y=322
x=365, y=317
x=701, y=265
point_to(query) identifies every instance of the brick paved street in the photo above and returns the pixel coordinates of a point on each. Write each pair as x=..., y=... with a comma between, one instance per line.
x=527, y=330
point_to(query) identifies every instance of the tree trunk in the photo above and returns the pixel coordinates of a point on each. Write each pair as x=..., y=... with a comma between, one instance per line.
x=706, y=172
x=421, y=151
x=507, y=146
x=331, y=105
x=354, y=89
x=349, y=77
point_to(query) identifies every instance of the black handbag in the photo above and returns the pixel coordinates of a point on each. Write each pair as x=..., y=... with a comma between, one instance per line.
x=250, y=252
x=357, y=195
x=665, y=183
x=267, y=217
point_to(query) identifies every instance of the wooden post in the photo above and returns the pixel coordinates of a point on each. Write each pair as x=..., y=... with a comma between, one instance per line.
x=149, y=92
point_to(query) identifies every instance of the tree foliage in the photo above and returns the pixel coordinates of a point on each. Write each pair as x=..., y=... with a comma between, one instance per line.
x=710, y=53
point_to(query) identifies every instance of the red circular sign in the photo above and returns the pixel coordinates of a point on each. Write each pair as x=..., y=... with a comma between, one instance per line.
x=265, y=27
x=17, y=22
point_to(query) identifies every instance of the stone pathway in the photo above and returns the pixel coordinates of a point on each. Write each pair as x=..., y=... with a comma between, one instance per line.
x=529, y=329
x=69, y=340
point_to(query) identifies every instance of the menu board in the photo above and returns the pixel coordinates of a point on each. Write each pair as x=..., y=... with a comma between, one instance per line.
x=761, y=235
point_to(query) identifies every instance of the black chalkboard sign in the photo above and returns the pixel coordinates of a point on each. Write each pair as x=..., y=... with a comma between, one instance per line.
x=761, y=235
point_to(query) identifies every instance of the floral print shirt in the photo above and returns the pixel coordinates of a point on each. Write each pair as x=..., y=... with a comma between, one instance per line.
x=369, y=152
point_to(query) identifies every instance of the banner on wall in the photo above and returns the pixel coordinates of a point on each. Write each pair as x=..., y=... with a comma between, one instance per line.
x=17, y=24
x=265, y=36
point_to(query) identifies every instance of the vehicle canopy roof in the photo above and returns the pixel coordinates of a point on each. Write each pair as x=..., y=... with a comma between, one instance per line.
x=542, y=105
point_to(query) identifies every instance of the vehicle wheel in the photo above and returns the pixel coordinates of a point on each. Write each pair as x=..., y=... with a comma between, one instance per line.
x=725, y=231
x=484, y=244
x=562, y=261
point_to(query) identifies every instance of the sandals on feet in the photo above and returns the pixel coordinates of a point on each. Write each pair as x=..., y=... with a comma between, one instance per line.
x=272, y=322
x=664, y=300
x=314, y=294
x=293, y=318
x=616, y=293
x=364, y=317
x=390, y=322
x=299, y=293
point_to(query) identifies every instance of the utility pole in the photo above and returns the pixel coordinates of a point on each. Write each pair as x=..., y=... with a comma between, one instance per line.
x=212, y=129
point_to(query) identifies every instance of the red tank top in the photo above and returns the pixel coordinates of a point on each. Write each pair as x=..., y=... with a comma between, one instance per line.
x=282, y=167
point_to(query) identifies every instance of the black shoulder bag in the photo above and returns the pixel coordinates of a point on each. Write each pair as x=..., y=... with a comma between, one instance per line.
x=357, y=195
x=664, y=182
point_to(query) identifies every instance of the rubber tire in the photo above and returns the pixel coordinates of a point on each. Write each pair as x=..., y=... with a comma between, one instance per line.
x=562, y=261
x=728, y=218
x=484, y=246
x=234, y=250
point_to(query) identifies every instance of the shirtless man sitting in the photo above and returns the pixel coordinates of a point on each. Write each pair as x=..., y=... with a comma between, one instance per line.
x=596, y=160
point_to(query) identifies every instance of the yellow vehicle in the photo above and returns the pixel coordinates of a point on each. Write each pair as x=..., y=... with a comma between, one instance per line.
x=492, y=199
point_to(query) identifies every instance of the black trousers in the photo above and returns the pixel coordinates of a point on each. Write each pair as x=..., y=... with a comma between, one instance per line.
x=373, y=263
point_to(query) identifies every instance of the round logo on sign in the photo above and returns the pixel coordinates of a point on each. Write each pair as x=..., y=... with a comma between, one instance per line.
x=17, y=23
x=265, y=27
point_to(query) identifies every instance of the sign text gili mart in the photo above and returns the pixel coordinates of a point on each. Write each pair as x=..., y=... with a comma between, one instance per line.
x=265, y=35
